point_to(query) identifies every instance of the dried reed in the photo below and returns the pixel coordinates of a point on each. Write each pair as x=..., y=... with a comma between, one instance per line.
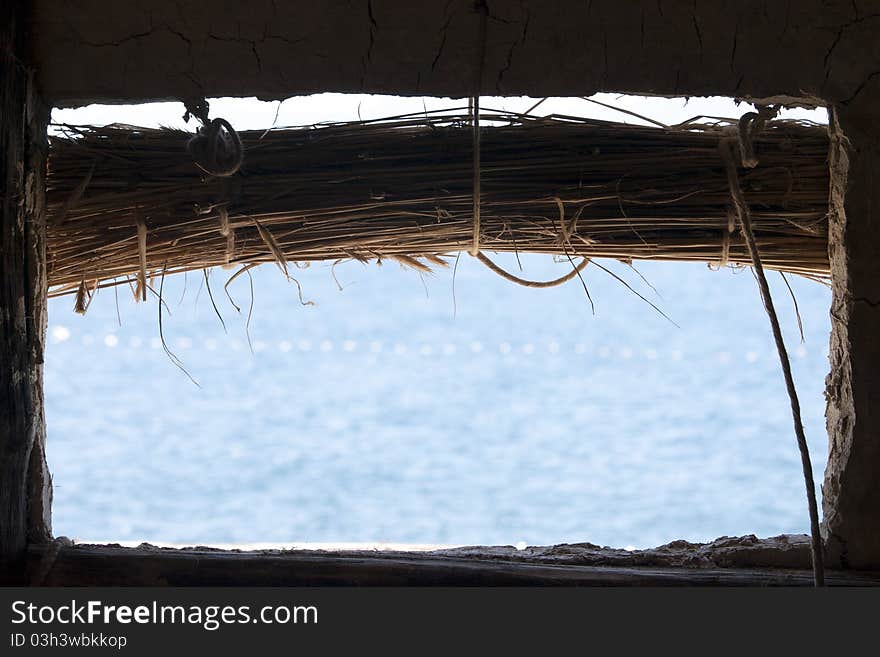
x=401, y=188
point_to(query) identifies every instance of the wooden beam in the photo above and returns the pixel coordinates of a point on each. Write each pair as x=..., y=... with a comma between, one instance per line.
x=25, y=489
x=107, y=565
x=95, y=51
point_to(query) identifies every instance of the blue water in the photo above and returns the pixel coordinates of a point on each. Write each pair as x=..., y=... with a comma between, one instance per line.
x=391, y=411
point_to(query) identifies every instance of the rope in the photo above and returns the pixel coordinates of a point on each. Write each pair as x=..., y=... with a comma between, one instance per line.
x=750, y=124
x=47, y=561
x=724, y=259
x=527, y=283
x=483, y=10
x=216, y=147
x=747, y=130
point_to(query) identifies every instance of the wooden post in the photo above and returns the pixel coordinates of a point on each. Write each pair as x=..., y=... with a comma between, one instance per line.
x=25, y=485
x=852, y=486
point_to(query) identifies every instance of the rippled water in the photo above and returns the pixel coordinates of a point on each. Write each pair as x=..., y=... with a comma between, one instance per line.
x=391, y=412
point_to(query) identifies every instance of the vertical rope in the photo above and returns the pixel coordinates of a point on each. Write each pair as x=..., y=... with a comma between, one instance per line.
x=726, y=235
x=744, y=215
x=483, y=10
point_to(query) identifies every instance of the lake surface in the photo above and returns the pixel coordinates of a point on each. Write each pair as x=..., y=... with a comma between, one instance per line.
x=393, y=411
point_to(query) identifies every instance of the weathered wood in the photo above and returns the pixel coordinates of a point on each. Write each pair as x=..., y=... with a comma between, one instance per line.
x=25, y=492
x=851, y=492
x=105, y=565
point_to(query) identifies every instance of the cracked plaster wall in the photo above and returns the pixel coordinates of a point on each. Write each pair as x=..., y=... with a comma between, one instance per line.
x=807, y=51
x=139, y=50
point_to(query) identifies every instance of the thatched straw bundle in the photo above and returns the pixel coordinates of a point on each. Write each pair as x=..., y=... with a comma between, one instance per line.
x=126, y=203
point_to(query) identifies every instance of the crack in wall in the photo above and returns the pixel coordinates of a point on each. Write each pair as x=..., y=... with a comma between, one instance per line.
x=499, y=85
x=838, y=37
x=367, y=58
x=443, y=34
x=374, y=26
x=697, y=29
x=251, y=44
x=860, y=88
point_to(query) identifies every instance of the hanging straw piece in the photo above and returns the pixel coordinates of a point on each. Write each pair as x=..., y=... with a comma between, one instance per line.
x=75, y=196
x=568, y=228
x=435, y=260
x=273, y=247
x=743, y=213
x=223, y=215
x=562, y=225
x=229, y=254
x=229, y=233
x=83, y=298
x=412, y=263
x=142, y=255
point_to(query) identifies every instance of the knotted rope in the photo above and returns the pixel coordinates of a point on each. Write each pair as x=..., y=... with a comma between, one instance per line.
x=216, y=147
x=217, y=150
x=749, y=125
